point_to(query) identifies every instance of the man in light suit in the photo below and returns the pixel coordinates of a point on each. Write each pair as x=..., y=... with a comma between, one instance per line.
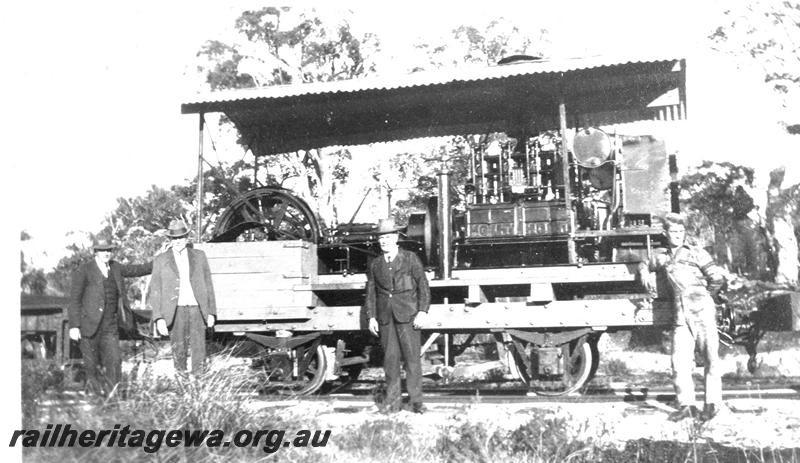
x=397, y=304
x=97, y=295
x=181, y=297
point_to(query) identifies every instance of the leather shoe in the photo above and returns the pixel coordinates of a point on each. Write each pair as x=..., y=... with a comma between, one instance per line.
x=684, y=412
x=710, y=411
x=418, y=407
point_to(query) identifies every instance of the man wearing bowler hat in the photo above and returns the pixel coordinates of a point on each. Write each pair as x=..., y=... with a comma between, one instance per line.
x=397, y=304
x=97, y=295
x=181, y=297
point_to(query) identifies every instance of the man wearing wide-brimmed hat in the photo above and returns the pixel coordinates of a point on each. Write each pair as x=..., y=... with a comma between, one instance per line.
x=97, y=295
x=181, y=297
x=397, y=303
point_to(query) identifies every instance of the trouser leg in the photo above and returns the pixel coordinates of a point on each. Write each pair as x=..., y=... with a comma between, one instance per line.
x=197, y=339
x=683, y=364
x=110, y=357
x=391, y=363
x=409, y=340
x=708, y=343
x=90, y=351
x=713, y=378
x=178, y=334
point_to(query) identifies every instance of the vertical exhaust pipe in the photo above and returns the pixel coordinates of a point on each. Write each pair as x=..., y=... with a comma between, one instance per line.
x=445, y=220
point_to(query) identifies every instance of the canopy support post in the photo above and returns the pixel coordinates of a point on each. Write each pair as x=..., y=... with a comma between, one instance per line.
x=682, y=90
x=562, y=121
x=199, y=217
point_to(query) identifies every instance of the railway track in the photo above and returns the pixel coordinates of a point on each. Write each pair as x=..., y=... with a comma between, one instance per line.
x=637, y=401
x=661, y=394
x=362, y=395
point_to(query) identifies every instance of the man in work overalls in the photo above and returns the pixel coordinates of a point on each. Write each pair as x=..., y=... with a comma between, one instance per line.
x=690, y=276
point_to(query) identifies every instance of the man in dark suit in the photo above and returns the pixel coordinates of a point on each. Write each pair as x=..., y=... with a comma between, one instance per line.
x=97, y=295
x=397, y=304
x=182, y=298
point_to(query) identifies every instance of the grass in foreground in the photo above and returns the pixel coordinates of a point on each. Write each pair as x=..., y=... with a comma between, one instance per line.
x=213, y=401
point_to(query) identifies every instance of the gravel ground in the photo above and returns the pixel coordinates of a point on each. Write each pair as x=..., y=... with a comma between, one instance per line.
x=746, y=422
x=778, y=420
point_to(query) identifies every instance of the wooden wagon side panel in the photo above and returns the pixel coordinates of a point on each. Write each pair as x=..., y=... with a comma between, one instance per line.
x=255, y=280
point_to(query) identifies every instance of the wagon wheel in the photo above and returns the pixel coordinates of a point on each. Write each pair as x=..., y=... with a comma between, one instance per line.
x=298, y=371
x=267, y=214
x=346, y=380
x=579, y=361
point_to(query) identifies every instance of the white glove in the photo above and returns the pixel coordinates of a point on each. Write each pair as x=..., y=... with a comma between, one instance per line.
x=420, y=320
x=649, y=282
x=210, y=320
x=161, y=327
x=75, y=334
x=373, y=326
x=647, y=279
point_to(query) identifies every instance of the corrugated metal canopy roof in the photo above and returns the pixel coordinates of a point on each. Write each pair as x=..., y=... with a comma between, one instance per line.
x=286, y=118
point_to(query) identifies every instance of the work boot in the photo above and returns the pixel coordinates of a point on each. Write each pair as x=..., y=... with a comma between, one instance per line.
x=388, y=409
x=686, y=411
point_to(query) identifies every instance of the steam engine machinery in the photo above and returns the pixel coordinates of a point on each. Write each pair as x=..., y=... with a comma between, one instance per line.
x=536, y=254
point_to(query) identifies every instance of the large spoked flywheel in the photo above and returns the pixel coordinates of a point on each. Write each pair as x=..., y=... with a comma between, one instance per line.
x=267, y=214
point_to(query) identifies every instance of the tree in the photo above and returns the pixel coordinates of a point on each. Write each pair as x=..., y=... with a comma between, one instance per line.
x=61, y=276
x=782, y=205
x=716, y=196
x=221, y=185
x=483, y=45
x=288, y=46
x=150, y=212
x=137, y=226
x=417, y=173
x=33, y=280
x=769, y=33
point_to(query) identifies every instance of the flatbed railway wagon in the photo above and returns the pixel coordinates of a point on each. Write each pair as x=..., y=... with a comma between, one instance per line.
x=540, y=257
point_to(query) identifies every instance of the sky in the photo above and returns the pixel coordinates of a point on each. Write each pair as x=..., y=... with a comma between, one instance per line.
x=97, y=87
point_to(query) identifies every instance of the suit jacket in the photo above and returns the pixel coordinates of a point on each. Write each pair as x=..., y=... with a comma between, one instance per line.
x=400, y=292
x=165, y=284
x=87, y=295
